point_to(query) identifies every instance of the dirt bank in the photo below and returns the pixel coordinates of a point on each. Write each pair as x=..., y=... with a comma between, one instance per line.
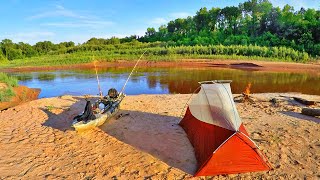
x=37, y=141
x=194, y=63
x=22, y=94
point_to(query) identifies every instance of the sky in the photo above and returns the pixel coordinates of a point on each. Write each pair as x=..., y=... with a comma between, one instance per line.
x=31, y=21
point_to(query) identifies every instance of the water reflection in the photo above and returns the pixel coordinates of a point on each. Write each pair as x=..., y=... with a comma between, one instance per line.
x=165, y=80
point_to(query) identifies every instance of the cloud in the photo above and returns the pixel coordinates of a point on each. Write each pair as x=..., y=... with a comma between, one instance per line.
x=297, y=4
x=81, y=38
x=177, y=15
x=58, y=11
x=84, y=23
x=171, y=16
x=71, y=19
x=158, y=21
x=29, y=37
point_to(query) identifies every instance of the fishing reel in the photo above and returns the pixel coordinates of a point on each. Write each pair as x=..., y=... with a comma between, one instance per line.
x=113, y=93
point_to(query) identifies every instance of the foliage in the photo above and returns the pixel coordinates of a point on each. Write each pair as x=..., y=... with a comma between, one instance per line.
x=9, y=80
x=7, y=93
x=254, y=28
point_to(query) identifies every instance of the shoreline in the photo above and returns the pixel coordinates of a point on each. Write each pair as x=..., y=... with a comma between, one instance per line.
x=254, y=65
x=38, y=142
x=22, y=95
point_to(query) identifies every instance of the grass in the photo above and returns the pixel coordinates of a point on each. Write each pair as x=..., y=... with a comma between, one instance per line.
x=46, y=77
x=7, y=93
x=69, y=59
x=9, y=80
x=164, y=54
x=50, y=108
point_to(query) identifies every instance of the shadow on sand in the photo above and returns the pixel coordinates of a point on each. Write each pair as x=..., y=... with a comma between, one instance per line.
x=158, y=135
x=61, y=117
x=301, y=116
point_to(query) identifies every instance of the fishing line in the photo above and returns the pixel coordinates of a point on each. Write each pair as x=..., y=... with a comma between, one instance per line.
x=122, y=90
x=99, y=87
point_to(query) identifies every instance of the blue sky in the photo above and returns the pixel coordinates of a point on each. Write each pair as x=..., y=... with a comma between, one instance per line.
x=78, y=20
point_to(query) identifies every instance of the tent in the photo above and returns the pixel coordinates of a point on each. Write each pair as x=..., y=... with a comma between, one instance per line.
x=214, y=128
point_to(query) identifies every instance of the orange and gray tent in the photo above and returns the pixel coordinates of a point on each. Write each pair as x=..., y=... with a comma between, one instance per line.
x=214, y=128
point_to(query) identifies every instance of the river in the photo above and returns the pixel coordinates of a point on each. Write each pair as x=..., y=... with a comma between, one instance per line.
x=167, y=80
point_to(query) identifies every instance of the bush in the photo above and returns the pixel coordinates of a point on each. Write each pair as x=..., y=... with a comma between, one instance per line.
x=6, y=94
x=9, y=80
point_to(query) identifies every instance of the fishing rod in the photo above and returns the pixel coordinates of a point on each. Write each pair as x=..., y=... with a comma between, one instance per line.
x=99, y=87
x=122, y=90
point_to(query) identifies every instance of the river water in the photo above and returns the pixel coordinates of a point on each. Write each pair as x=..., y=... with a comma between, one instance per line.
x=150, y=80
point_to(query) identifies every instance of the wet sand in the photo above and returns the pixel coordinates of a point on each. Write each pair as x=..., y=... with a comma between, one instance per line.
x=190, y=63
x=37, y=142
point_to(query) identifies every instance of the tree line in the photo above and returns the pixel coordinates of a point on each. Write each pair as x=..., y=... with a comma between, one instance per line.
x=255, y=22
x=253, y=28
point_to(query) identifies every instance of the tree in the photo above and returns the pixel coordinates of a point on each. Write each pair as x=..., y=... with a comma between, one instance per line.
x=250, y=9
x=14, y=54
x=2, y=57
x=150, y=32
x=231, y=15
x=27, y=49
x=44, y=47
x=202, y=19
x=213, y=18
x=5, y=45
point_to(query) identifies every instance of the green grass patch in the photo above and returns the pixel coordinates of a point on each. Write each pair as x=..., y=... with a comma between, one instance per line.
x=10, y=81
x=46, y=77
x=6, y=94
x=159, y=53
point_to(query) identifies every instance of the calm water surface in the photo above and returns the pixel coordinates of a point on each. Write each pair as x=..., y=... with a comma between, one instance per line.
x=165, y=81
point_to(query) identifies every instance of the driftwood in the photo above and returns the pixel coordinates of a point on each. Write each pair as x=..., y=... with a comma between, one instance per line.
x=311, y=112
x=243, y=98
x=304, y=101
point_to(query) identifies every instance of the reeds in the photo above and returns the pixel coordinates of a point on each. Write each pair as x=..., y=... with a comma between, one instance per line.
x=159, y=52
x=7, y=92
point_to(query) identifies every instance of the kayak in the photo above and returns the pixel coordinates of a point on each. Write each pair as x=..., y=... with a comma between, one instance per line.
x=97, y=114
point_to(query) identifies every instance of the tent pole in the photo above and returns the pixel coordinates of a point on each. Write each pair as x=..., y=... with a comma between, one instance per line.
x=224, y=142
x=233, y=107
x=231, y=127
x=188, y=101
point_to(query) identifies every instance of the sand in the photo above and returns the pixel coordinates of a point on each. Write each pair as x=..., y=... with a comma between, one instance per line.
x=312, y=68
x=37, y=142
x=22, y=94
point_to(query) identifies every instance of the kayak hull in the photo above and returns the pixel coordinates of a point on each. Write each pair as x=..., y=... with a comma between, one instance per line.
x=100, y=120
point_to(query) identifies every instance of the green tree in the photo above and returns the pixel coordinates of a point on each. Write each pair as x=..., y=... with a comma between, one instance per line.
x=202, y=19
x=44, y=47
x=231, y=15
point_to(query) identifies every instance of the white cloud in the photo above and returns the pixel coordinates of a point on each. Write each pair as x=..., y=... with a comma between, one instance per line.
x=177, y=15
x=158, y=21
x=29, y=37
x=170, y=17
x=84, y=23
x=58, y=11
x=81, y=38
x=74, y=19
x=297, y=4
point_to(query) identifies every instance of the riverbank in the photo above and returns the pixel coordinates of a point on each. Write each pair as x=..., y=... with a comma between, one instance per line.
x=22, y=94
x=187, y=63
x=37, y=141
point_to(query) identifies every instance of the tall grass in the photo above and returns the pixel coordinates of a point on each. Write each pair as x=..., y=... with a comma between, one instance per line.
x=162, y=53
x=7, y=92
x=9, y=80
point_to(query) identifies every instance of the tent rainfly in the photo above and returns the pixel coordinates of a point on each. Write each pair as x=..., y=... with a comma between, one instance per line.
x=214, y=128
